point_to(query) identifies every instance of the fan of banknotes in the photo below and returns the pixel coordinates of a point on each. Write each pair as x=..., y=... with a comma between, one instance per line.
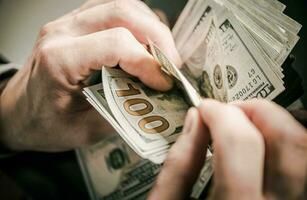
x=231, y=49
x=112, y=170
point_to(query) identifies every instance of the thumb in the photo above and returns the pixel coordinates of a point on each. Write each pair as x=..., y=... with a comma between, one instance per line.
x=184, y=161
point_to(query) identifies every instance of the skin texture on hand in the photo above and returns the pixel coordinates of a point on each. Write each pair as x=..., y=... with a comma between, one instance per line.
x=42, y=107
x=174, y=181
x=259, y=153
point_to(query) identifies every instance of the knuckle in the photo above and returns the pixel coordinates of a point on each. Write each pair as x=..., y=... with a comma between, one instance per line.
x=119, y=39
x=261, y=106
x=264, y=103
x=174, y=156
x=121, y=7
x=122, y=36
x=122, y=32
x=161, y=30
x=234, y=117
x=46, y=29
x=261, y=102
x=164, y=27
x=300, y=142
x=78, y=20
x=231, y=112
x=45, y=52
x=182, y=169
x=49, y=28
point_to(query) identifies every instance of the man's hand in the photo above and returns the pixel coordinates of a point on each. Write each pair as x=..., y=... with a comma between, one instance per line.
x=42, y=107
x=259, y=153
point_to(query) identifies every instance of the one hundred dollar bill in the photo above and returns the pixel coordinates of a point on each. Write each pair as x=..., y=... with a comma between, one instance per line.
x=96, y=97
x=225, y=62
x=151, y=119
x=112, y=170
x=232, y=50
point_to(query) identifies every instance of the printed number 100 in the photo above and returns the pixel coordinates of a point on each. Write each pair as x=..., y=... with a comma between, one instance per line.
x=164, y=124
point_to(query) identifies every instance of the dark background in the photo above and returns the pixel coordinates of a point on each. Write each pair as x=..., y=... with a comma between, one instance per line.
x=58, y=176
x=298, y=11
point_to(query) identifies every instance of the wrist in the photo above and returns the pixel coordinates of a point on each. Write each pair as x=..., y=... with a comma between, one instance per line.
x=10, y=115
x=4, y=131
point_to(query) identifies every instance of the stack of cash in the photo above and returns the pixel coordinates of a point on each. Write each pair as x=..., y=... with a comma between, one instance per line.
x=113, y=171
x=234, y=49
x=231, y=50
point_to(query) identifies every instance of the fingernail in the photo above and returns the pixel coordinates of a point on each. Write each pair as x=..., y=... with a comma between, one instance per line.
x=190, y=120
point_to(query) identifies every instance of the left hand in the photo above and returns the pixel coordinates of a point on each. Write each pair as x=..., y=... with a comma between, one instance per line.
x=42, y=107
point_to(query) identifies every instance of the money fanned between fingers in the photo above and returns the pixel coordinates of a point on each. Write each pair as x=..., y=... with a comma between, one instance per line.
x=231, y=50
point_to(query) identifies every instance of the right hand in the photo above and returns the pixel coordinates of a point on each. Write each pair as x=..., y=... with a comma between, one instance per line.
x=42, y=107
x=260, y=152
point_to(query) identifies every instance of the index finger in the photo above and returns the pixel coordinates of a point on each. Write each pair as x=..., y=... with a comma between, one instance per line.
x=286, y=142
x=138, y=3
x=270, y=118
x=121, y=13
x=238, y=149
